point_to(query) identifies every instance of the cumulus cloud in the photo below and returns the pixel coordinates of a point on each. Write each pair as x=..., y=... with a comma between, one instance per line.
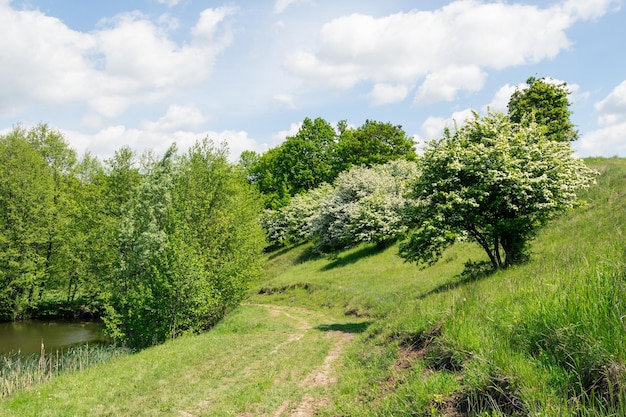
x=444, y=85
x=448, y=50
x=586, y=9
x=386, y=93
x=128, y=59
x=177, y=118
x=433, y=127
x=104, y=142
x=609, y=139
x=500, y=100
x=612, y=109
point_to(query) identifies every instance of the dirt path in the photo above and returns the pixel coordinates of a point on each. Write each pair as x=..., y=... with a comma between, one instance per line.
x=301, y=349
x=322, y=376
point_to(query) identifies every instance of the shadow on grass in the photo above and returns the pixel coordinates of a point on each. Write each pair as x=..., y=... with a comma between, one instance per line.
x=351, y=258
x=309, y=254
x=345, y=327
x=474, y=271
x=278, y=252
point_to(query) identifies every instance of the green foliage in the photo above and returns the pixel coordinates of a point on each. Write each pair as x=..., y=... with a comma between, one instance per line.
x=545, y=338
x=365, y=206
x=317, y=154
x=26, y=213
x=220, y=215
x=301, y=163
x=59, y=218
x=373, y=143
x=547, y=104
x=166, y=246
x=495, y=182
x=189, y=244
x=61, y=247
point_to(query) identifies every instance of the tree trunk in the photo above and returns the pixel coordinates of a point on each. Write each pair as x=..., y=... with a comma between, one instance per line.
x=482, y=241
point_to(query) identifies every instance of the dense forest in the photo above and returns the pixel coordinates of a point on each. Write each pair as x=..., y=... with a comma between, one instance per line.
x=163, y=246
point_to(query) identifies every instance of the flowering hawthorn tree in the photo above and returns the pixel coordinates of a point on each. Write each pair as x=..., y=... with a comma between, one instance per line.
x=495, y=182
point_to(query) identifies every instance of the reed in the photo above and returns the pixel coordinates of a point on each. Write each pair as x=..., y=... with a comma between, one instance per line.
x=19, y=372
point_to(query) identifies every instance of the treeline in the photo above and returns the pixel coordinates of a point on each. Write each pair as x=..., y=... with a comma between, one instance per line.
x=159, y=246
x=495, y=181
x=318, y=153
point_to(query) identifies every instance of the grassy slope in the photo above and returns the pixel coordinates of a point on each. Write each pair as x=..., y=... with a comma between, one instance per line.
x=542, y=338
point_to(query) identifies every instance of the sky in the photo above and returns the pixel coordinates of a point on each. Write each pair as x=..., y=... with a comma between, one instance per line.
x=148, y=73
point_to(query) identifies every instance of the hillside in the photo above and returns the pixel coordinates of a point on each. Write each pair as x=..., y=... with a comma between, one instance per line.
x=364, y=334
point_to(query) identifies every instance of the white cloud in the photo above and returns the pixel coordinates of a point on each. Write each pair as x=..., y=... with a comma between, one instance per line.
x=386, y=93
x=589, y=9
x=285, y=100
x=177, y=118
x=500, y=100
x=433, y=127
x=610, y=139
x=128, y=59
x=32, y=41
x=612, y=109
x=607, y=141
x=104, y=142
x=307, y=65
x=465, y=38
x=444, y=85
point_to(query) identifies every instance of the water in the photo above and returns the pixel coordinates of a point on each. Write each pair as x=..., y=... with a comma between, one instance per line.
x=27, y=336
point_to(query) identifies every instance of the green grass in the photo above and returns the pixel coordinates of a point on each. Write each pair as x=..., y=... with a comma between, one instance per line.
x=544, y=338
x=252, y=362
x=18, y=372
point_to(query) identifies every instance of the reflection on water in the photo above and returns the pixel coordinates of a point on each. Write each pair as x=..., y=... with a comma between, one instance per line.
x=27, y=336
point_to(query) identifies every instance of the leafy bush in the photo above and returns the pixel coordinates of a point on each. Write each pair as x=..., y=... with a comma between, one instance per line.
x=366, y=206
x=292, y=223
x=189, y=244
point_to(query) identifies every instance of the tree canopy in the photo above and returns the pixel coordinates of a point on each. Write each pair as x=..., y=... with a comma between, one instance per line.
x=373, y=143
x=190, y=242
x=495, y=182
x=318, y=153
x=547, y=103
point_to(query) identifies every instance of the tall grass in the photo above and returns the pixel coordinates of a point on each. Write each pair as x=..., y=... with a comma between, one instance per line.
x=544, y=338
x=18, y=372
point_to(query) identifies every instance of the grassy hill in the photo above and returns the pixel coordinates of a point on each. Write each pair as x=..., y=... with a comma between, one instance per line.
x=365, y=334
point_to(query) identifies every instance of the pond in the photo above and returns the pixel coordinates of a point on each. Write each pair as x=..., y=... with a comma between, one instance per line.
x=27, y=336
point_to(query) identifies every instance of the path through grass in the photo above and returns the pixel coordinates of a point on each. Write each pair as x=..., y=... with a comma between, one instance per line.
x=263, y=360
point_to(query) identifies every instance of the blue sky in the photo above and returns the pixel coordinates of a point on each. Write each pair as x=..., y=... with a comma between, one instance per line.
x=146, y=73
